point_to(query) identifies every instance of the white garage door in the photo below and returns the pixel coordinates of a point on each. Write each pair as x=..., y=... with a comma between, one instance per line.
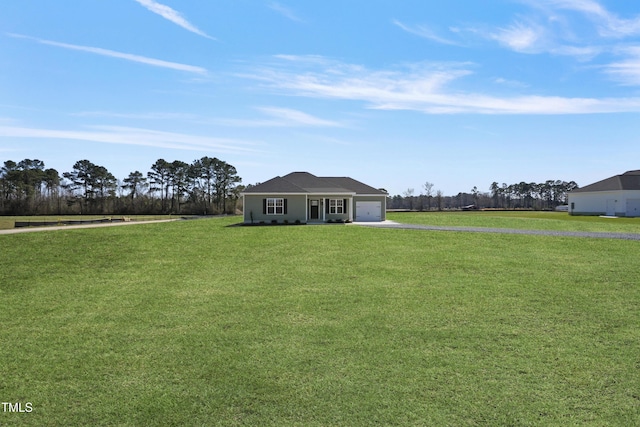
x=368, y=211
x=633, y=207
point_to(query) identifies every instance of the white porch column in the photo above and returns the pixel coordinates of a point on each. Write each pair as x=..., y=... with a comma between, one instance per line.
x=351, y=209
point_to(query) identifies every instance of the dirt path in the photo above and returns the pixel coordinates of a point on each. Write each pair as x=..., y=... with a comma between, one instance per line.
x=73, y=227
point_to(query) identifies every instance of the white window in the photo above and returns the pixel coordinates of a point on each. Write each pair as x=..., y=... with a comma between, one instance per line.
x=336, y=206
x=275, y=206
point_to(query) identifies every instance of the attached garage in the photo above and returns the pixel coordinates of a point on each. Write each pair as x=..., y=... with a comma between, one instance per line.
x=368, y=211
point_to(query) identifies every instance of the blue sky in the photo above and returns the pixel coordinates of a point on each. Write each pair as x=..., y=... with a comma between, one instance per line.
x=393, y=93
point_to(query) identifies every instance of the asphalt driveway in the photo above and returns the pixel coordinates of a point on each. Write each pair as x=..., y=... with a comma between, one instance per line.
x=590, y=234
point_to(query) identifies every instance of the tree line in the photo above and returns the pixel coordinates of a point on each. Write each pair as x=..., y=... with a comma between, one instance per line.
x=205, y=186
x=538, y=196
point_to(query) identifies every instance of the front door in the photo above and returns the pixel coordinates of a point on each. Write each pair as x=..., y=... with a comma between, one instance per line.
x=315, y=209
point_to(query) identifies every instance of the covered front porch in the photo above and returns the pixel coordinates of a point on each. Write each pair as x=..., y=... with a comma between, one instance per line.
x=325, y=208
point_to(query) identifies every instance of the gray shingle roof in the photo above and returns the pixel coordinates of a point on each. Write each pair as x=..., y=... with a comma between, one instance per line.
x=275, y=185
x=314, y=184
x=304, y=182
x=627, y=181
x=353, y=185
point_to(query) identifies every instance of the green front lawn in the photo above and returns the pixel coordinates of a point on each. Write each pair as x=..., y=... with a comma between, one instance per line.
x=197, y=323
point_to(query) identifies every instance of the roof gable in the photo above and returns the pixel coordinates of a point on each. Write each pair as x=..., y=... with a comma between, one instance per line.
x=629, y=180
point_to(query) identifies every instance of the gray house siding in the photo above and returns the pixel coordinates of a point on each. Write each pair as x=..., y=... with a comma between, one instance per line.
x=254, y=208
x=296, y=208
x=346, y=203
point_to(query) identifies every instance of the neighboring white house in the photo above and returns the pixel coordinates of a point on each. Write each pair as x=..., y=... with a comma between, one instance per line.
x=615, y=196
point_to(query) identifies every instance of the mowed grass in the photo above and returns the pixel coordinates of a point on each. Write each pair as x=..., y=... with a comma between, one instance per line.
x=197, y=323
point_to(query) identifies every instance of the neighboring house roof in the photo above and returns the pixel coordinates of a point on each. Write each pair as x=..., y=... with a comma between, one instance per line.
x=627, y=181
x=304, y=182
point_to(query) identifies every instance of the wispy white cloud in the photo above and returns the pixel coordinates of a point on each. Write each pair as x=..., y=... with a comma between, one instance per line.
x=602, y=32
x=121, y=55
x=272, y=117
x=426, y=89
x=529, y=36
x=319, y=138
x=609, y=24
x=424, y=32
x=521, y=37
x=626, y=71
x=584, y=30
x=510, y=83
x=285, y=11
x=172, y=15
x=138, y=116
x=292, y=117
x=580, y=53
x=7, y=120
x=281, y=117
x=134, y=136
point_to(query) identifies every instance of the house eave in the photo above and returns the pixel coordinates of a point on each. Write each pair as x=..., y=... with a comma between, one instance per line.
x=331, y=193
x=274, y=193
x=320, y=193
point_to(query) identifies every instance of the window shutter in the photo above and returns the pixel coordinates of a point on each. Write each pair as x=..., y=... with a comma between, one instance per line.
x=285, y=206
x=326, y=205
x=264, y=206
x=344, y=206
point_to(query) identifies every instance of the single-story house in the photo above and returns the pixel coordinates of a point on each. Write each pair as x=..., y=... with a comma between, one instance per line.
x=615, y=196
x=303, y=197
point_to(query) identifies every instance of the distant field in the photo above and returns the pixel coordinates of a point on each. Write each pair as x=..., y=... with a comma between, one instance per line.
x=200, y=323
x=560, y=221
